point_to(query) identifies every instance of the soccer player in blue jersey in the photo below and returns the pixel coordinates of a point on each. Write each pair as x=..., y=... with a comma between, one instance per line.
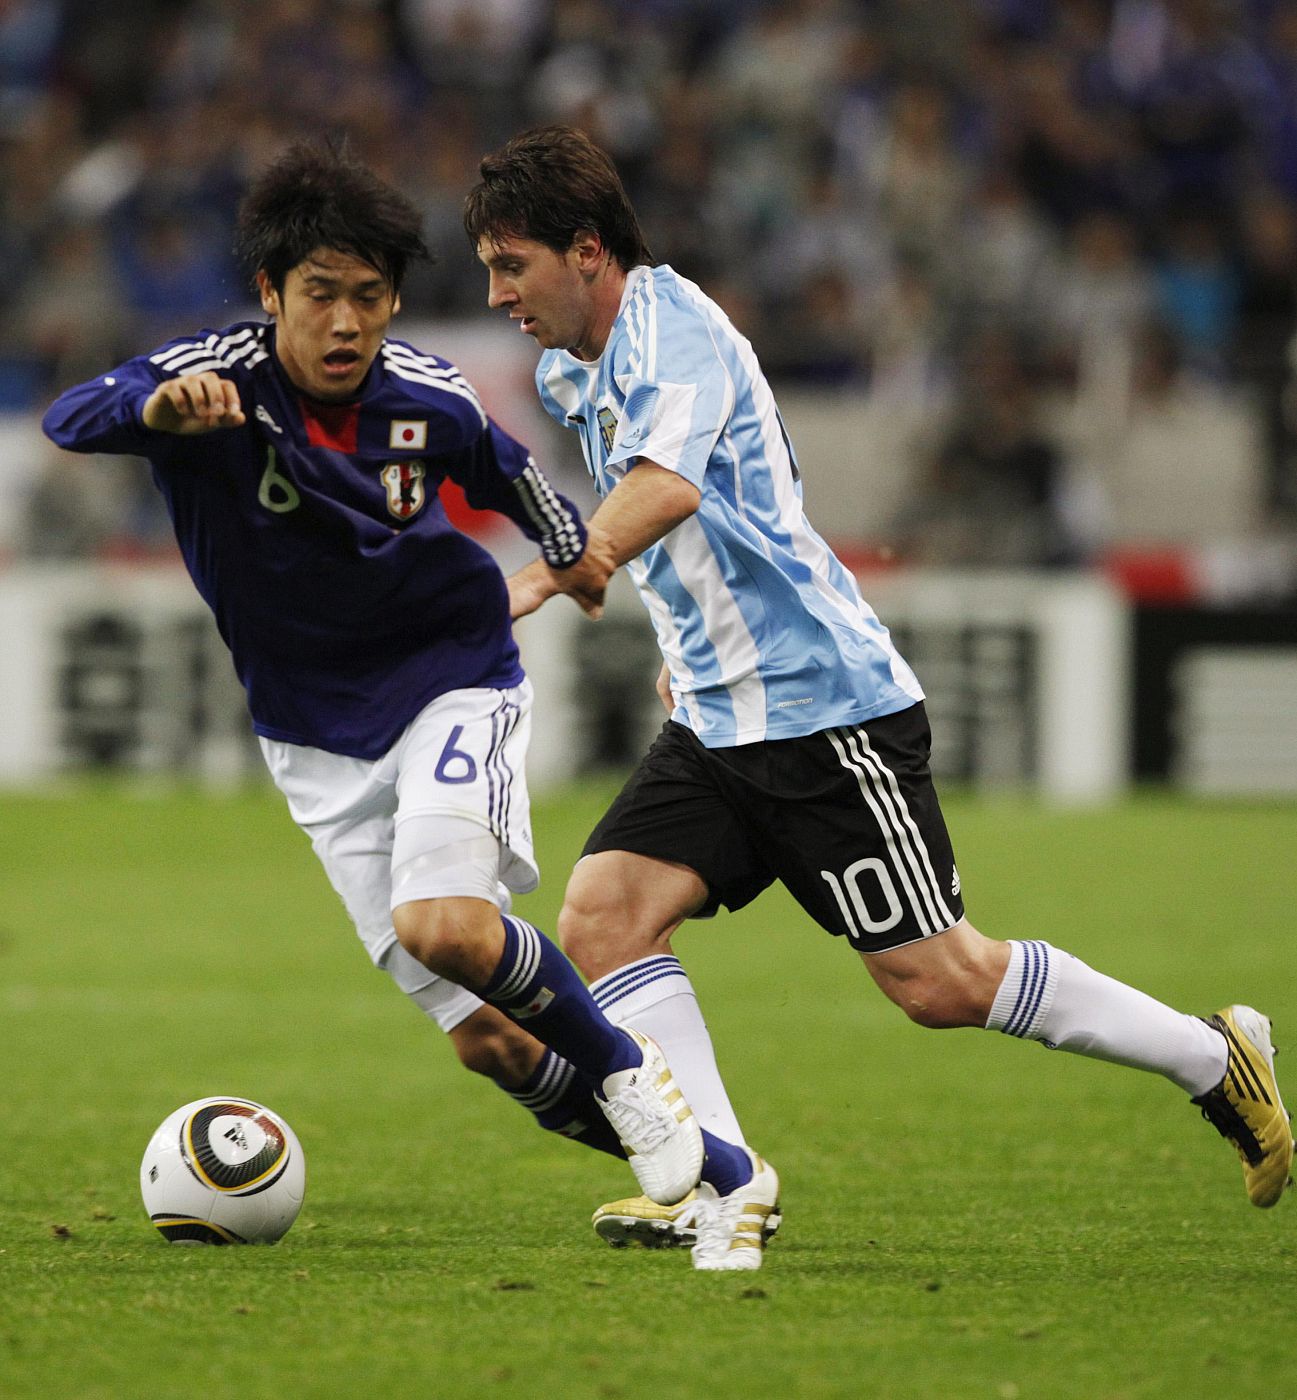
x=300, y=458
x=797, y=745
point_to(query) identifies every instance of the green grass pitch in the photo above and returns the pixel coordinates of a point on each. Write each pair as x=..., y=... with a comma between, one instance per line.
x=966, y=1216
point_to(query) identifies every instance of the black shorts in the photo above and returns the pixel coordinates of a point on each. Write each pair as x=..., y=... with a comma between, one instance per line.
x=847, y=819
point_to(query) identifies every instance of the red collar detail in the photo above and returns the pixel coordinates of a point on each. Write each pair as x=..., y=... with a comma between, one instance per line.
x=331, y=425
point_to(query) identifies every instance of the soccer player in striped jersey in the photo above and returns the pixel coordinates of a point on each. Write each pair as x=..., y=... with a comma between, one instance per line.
x=797, y=745
x=300, y=460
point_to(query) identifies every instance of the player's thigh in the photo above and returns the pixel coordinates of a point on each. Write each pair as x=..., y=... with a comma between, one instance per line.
x=856, y=833
x=675, y=814
x=346, y=807
x=462, y=800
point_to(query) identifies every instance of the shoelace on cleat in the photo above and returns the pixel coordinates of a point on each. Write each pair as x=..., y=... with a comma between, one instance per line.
x=688, y=1217
x=641, y=1118
x=710, y=1236
x=1230, y=1123
x=716, y=1223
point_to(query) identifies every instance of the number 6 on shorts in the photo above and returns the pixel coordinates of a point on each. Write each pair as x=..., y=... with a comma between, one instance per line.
x=455, y=765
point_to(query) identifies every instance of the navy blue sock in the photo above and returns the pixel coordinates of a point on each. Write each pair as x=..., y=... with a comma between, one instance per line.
x=725, y=1166
x=535, y=986
x=562, y=1102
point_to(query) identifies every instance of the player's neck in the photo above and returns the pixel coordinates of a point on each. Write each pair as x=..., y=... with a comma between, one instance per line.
x=605, y=306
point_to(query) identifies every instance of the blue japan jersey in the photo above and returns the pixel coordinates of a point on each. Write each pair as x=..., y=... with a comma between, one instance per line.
x=316, y=535
x=762, y=627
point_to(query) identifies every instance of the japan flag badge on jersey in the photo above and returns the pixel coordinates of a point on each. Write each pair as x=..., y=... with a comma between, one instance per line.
x=410, y=435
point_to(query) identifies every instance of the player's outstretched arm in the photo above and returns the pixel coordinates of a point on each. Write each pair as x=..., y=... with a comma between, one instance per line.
x=193, y=403
x=584, y=581
x=648, y=503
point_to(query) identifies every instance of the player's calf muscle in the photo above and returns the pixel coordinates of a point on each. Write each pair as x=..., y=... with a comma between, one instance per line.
x=489, y=1043
x=946, y=981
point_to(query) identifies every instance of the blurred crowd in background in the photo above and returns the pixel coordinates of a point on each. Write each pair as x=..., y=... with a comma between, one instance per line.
x=984, y=207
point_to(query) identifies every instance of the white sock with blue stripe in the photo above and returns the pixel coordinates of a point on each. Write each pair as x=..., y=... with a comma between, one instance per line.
x=655, y=996
x=1055, y=998
x=1027, y=992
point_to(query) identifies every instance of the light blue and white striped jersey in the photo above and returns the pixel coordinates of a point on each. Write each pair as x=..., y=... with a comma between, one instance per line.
x=763, y=628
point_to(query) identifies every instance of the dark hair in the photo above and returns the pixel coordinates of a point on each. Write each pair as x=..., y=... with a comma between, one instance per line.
x=550, y=184
x=318, y=197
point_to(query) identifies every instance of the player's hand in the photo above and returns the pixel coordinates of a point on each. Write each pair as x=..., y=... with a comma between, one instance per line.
x=587, y=580
x=663, y=688
x=194, y=403
x=529, y=588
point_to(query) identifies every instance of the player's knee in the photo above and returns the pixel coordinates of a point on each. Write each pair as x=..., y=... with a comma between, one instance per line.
x=601, y=936
x=591, y=926
x=578, y=932
x=435, y=933
x=417, y=931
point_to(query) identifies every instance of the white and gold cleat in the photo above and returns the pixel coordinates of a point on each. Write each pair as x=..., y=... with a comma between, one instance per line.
x=731, y=1230
x=1245, y=1106
x=639, y=1221
x=663, y=1142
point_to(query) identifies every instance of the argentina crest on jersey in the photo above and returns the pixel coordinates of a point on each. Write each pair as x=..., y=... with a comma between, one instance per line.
x=607, y=428
x=406, y=493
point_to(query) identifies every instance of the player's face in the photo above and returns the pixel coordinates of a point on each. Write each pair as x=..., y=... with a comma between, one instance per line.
x=547, y=293
x=330, y=320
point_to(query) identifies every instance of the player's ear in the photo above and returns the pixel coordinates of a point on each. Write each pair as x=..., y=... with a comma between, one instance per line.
x=396, y=302
x=588, y=249
x=269, y=296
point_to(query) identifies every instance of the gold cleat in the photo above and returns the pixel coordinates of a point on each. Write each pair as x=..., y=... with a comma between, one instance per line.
x=644, y=1222
x=639, y=1221
x=1245, y=1106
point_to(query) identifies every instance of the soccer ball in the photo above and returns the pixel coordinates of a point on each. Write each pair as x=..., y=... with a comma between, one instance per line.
x=223, y=1171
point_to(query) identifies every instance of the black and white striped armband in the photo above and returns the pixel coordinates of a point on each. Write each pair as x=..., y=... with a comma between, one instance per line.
x=560, y=530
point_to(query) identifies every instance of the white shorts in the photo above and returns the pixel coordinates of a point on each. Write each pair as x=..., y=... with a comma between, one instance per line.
x=461, y=759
